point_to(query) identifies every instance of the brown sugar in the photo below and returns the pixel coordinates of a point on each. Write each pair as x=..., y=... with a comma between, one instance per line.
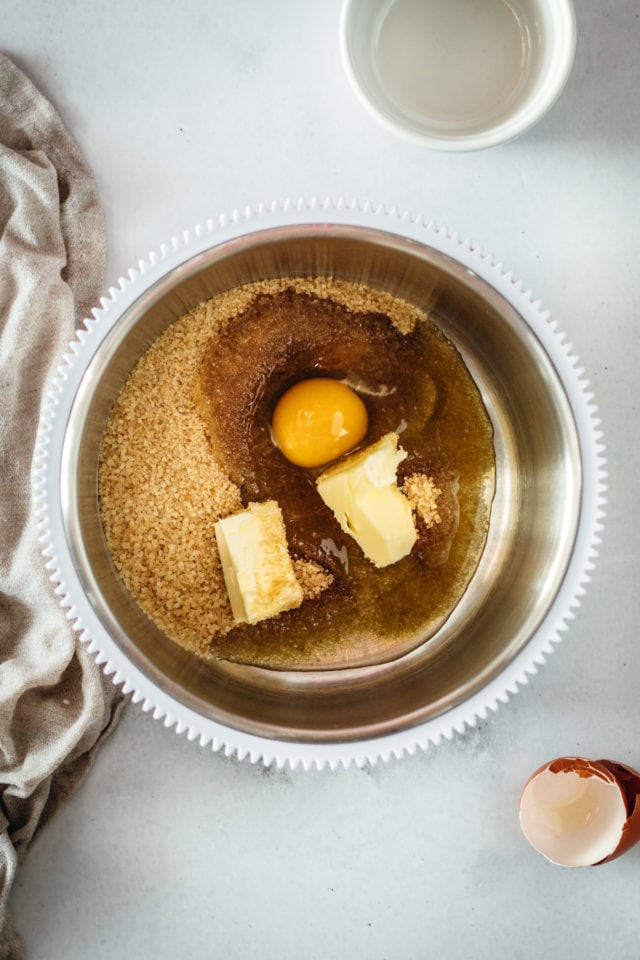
x=183, y=449
x=312, y=578
x=422, y=494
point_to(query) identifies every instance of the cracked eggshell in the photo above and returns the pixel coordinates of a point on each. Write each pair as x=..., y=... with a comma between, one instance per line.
x=578, y=812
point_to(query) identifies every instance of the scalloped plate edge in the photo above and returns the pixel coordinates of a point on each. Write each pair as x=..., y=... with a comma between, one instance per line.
x=58, y=561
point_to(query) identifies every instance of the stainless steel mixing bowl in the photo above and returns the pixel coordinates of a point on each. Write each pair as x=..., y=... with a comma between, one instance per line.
x=534, y=519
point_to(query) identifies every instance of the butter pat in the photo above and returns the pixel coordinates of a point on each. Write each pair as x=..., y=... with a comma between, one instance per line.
x=257, y=568
x=364, y=496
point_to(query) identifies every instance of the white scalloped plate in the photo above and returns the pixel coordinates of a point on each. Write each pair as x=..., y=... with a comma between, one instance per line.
x=78, y=609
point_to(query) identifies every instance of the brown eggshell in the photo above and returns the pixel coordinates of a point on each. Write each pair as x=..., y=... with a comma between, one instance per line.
x=627, y=780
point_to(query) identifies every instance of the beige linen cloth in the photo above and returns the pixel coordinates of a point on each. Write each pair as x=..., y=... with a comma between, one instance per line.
x=55, y=704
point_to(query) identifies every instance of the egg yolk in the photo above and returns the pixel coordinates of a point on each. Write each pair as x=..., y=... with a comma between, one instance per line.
x=317, y=421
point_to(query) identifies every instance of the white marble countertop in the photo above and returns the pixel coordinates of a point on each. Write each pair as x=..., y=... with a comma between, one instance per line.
x=168, y=850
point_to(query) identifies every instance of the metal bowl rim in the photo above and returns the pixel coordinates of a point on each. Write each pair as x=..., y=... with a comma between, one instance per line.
x=315, y=214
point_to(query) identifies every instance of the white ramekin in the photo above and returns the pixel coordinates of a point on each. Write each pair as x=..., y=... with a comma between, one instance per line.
x=548, y=24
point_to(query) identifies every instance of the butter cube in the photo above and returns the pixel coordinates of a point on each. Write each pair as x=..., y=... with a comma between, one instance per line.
x=256, y=565
x=365, y=498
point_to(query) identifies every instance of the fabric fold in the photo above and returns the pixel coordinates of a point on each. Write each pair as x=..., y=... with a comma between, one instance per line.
x=56, y=706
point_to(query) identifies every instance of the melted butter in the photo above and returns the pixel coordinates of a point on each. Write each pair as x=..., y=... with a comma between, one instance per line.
x=417, y=380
